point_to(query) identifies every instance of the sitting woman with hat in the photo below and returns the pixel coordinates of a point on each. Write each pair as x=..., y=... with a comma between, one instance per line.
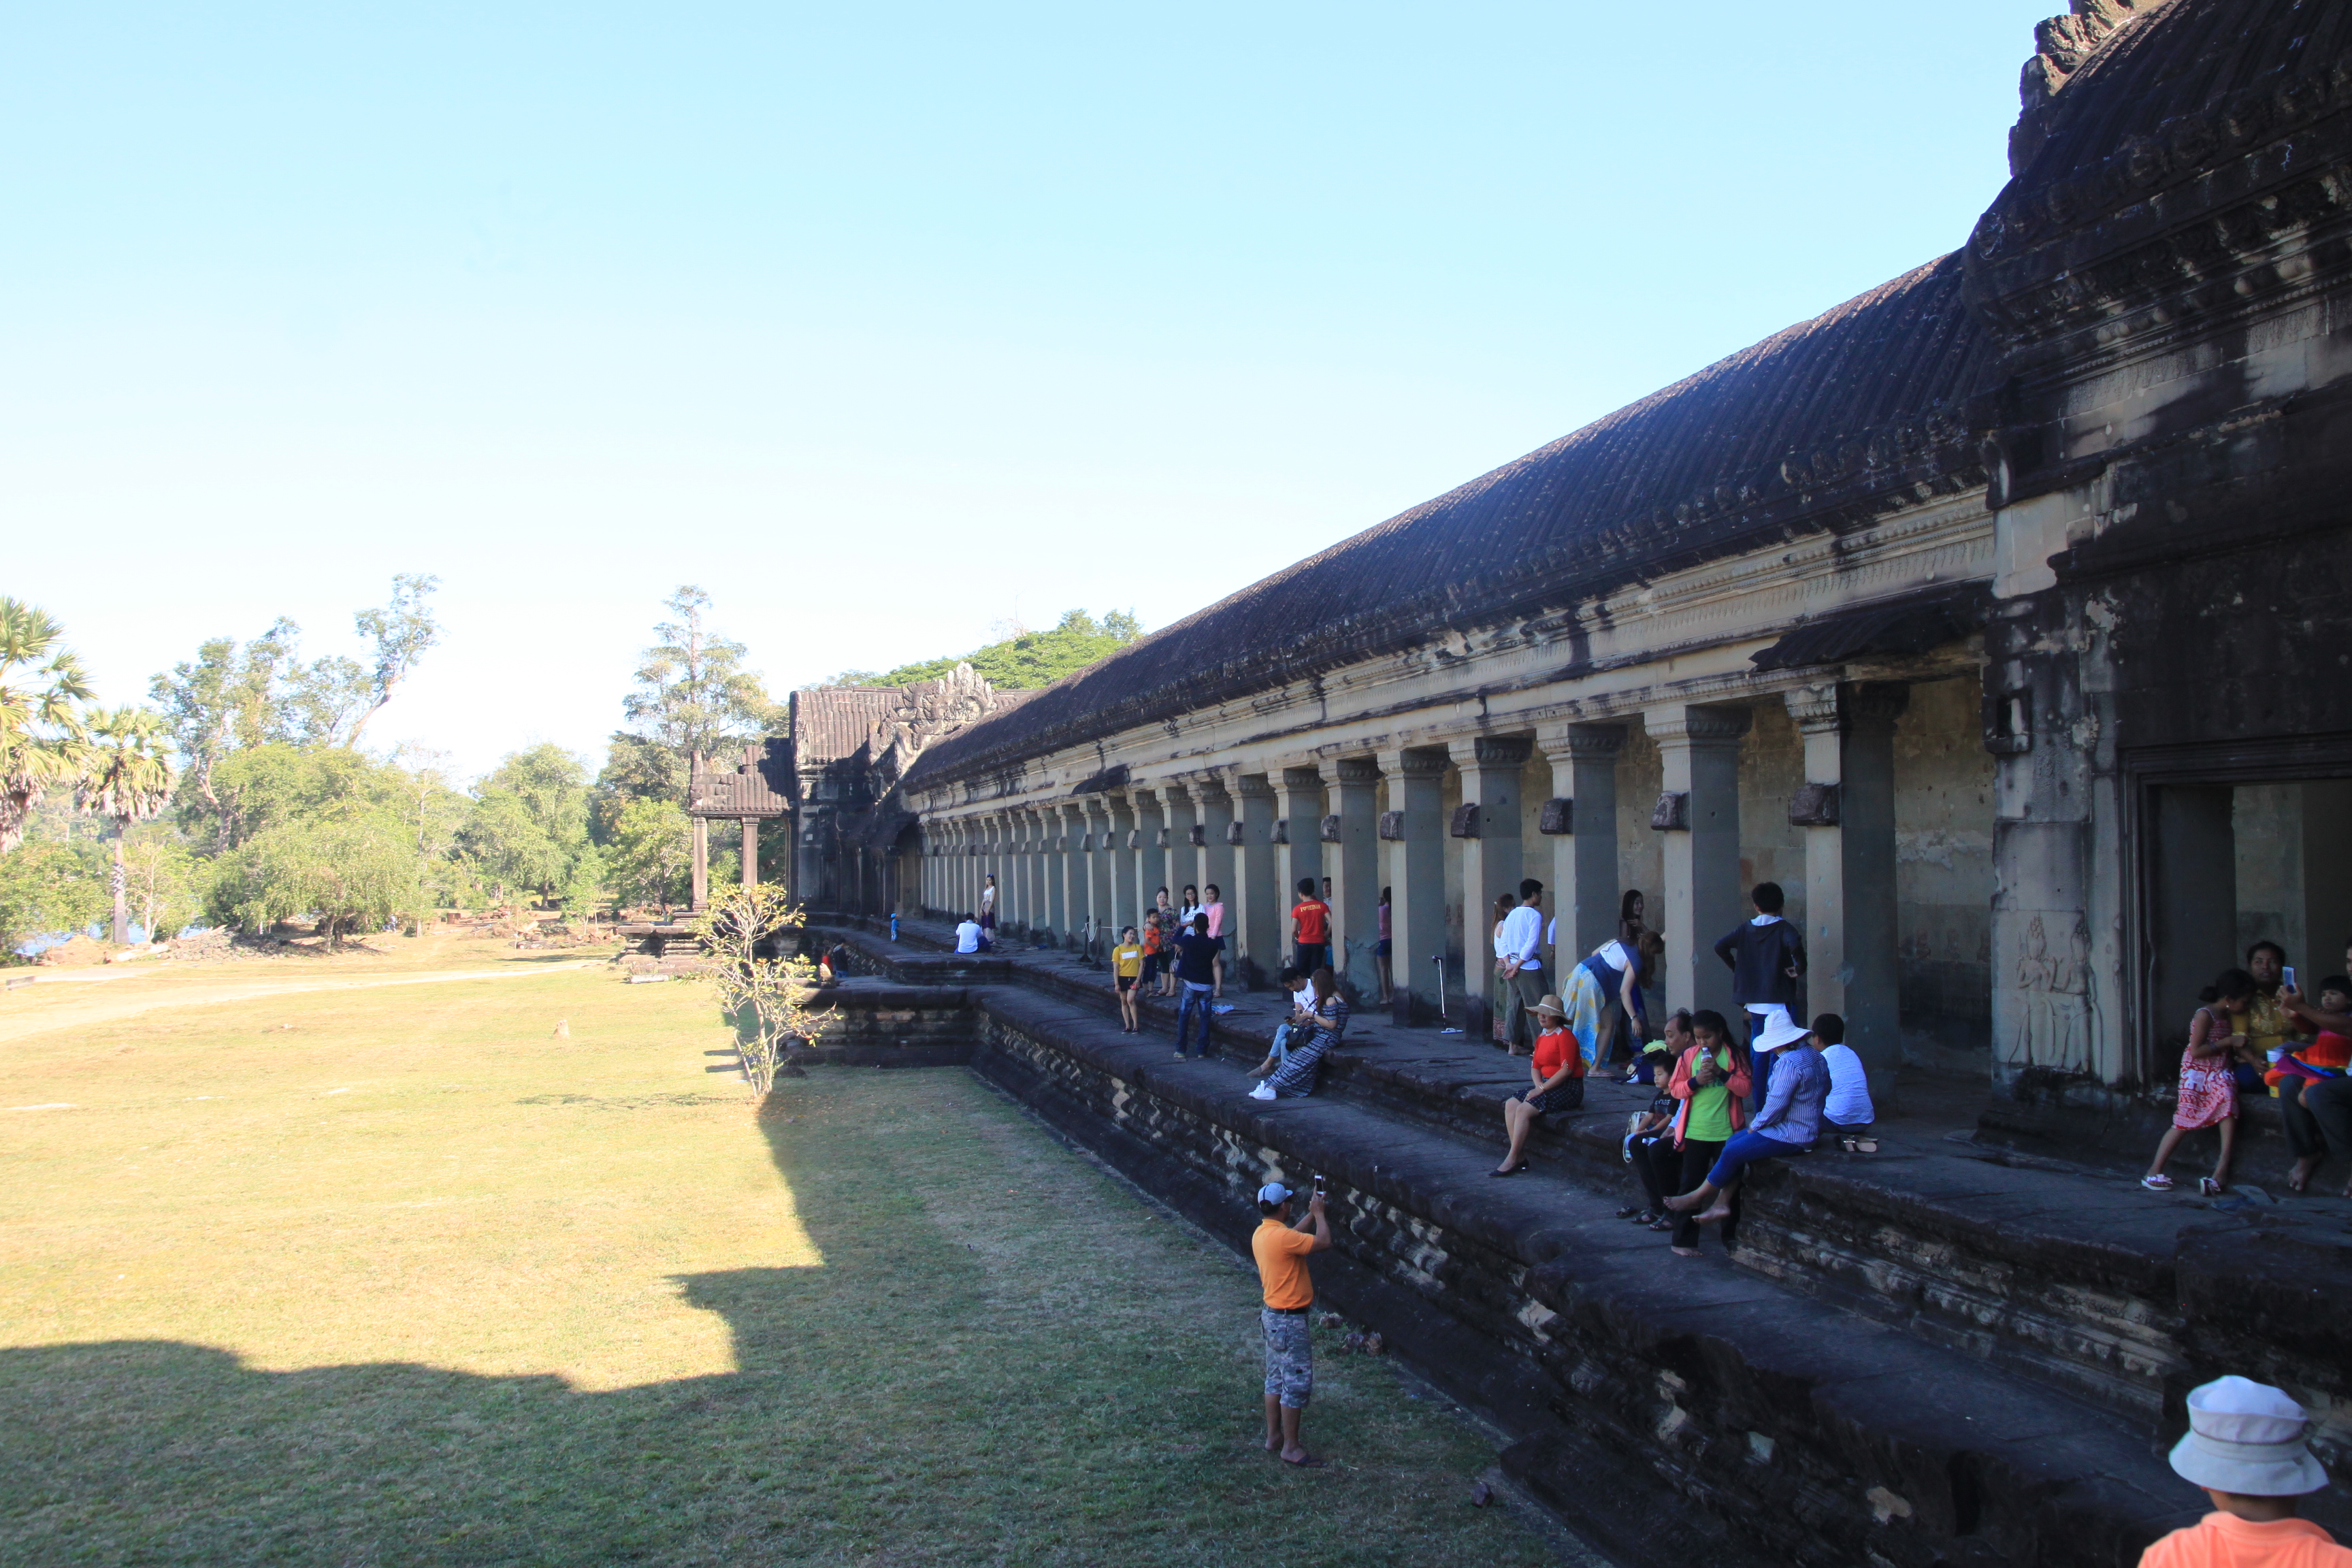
x=1557, y=1072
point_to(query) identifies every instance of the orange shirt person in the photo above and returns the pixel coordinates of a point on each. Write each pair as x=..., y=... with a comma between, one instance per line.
x=1310, y=929
x=1281, y=1249
x=2245, y=1447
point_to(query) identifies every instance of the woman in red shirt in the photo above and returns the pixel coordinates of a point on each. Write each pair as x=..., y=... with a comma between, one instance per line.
x=1557, y=1074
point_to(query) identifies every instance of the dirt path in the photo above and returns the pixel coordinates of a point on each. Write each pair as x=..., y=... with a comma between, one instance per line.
x=17, y=1020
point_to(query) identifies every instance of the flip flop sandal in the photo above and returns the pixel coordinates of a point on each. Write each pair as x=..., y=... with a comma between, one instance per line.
x=1848, y=1145
x=1663, y=1222
x=2209, y=1186
x=1630, y=1211
x=1309, y=1463
x=1866, y=1145
x=2157, y=1184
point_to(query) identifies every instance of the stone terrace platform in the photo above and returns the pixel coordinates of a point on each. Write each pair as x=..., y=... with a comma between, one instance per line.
x=1945, y=1352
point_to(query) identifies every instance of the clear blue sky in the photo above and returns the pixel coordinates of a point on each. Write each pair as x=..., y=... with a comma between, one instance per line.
x=881, y=323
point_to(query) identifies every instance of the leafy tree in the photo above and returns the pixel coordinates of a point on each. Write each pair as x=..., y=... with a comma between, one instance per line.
x=401, y=631
x=48, y=884
x=42, y=737
x=126, y=779
x=353, y=874
x=530, y=822
x=225, y=699
x=1024, y=660
x=590, y=887
x=744, y=931
x=269, y=786
x=161, y=878
x=650, y=854
x=694, y=699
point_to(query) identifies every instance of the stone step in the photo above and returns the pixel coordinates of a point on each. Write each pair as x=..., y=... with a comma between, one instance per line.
x=1810, y=1434
x=2061, y=1274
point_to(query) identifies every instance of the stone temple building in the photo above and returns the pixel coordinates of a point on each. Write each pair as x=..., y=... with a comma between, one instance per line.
x=2000, y=614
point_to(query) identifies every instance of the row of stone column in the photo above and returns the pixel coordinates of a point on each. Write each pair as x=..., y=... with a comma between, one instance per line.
x=1094, y=861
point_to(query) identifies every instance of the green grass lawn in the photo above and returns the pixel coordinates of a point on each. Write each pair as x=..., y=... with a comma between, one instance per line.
x=413, y=1281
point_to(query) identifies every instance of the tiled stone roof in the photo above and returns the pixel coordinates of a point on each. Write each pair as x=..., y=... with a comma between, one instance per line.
x=1849, y=416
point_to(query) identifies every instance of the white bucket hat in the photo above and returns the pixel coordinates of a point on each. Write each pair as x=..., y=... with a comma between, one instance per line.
x=1779, y=1029
x=2246, y=1437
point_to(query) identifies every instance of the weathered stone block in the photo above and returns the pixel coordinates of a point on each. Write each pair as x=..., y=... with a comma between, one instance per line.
x=1814, y=806
x=1236, y=833
x=1197, y=835
x=1392, y=827
x=1465, y=820
x=1559, y=816
x=1331, y=828
x=1672, y=814
x=1282, y=830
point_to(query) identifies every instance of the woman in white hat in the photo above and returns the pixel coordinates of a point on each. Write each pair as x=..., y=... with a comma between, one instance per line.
x=2245, y=1447
x=1555, y=1079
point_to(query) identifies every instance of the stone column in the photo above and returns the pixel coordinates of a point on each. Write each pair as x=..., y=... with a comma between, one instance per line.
x=1356, y=871
x=1300, y=807
x=1699, y=814
x=1582, y=821
x=1027, y=869
x=1847, y=810
x=1258, y=926
x=1416, y=823
x=1216, y=805
x=751, y=851
x=1127, y=909
x=1099, y=907
x=1150, y=855
x=1069, y=866
x=701, y=889
x=1491, y=858
x=1183, y=860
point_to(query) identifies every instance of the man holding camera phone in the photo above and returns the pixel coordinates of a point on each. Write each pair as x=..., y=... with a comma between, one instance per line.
x=1282, y=1248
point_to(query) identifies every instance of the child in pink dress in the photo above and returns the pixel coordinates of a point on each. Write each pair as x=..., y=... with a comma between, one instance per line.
x=2209, y=1095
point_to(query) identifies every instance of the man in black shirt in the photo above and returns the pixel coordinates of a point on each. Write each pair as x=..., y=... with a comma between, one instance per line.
x=1767, y=955
x=1196, y=969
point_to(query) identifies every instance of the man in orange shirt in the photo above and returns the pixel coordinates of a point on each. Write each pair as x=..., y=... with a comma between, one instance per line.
x=1281, y=1249
x=2245, y=1447
x=1310, y=929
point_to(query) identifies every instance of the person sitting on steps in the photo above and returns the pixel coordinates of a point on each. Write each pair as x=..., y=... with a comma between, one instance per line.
x=1302, y=1016
x=1556, y=1068
x=1295, y=1076
x=1788, y=1123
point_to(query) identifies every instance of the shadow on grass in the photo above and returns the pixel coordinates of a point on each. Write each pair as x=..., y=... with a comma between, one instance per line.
x=899, y=1402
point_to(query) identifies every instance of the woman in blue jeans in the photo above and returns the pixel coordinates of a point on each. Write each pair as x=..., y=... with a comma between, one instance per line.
x=1790, y=1122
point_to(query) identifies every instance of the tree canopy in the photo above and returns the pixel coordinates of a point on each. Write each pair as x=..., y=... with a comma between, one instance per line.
x=1022, y=661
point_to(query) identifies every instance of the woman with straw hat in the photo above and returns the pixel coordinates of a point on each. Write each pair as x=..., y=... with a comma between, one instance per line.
x=1557, y=1074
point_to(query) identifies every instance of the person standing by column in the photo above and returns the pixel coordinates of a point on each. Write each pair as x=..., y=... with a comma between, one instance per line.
x=1767, y=956
x=1216, y=911
x=1381, y=954
x=988, y=912
x=1310, y=929
x=1196, y=970
x=1520, y=962
x=1281, y=1249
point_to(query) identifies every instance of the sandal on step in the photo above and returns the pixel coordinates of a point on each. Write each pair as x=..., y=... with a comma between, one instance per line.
x=2157, y=1184
x=1629, y=1211
x=2209, y=1186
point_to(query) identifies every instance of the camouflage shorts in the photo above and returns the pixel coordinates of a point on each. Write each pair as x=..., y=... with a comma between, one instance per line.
x=1289, y=1358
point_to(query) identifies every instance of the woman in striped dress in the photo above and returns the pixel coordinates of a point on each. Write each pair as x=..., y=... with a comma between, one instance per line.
x=1296, y=1076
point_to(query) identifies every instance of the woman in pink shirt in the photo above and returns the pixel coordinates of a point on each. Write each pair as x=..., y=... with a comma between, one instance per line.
x=1215, y=909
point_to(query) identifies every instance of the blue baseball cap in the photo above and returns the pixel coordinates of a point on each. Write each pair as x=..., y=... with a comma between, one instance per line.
x=1273, y=1192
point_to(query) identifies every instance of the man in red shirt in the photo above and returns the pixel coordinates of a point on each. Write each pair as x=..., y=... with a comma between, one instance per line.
x=2245, y=1447
x=1281, y=1249
x=1310, y=929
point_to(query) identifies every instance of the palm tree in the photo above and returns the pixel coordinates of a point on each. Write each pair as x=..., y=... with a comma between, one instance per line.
x=127, y=779
x=41, y=733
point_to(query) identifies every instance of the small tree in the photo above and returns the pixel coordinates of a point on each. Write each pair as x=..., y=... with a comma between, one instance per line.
x=652, y=848
x=743, y=934
x=43, y=740
x=126, y=779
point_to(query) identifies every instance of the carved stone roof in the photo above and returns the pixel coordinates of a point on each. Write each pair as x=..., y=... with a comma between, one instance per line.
x=1835, y=421
x=882, y=729
x=834, y=722
x=758, y=783
x=2159, y=144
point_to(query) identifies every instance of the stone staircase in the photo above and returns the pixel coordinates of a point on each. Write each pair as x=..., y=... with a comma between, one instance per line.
x=1945, y=1352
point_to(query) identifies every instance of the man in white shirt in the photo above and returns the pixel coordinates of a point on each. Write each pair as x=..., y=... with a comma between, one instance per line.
x=968, y=935
x=1518, y=965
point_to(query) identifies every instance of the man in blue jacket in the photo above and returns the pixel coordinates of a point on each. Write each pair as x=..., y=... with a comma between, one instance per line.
x=1767, y=955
